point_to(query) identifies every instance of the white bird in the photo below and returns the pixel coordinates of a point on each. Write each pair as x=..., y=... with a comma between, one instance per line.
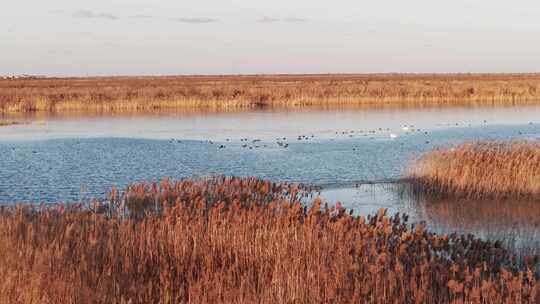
x=405, y=128
x=392, y=135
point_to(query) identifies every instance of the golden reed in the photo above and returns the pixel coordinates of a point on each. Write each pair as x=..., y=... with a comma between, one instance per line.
x=477, y=170
x=4, y=123
x=230, y=240
x=236, y=92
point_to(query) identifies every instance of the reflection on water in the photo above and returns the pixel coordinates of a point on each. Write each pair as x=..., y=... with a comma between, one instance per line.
x=366, y=198
x=516, y=224
x=264, y=124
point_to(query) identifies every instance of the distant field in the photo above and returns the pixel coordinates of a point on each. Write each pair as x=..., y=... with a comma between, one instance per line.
x=235, y=92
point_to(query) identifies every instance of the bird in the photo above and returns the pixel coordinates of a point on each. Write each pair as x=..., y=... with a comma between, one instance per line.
x=392, y=135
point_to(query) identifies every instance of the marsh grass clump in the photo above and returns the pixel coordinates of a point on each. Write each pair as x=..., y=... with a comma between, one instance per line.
x=480, y=170
x=232, y=240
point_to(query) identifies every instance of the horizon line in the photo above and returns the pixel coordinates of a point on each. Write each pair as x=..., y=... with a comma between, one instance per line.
x=44, y=76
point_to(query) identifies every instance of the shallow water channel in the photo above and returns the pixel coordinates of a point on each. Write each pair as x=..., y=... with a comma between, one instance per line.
x=355, y=155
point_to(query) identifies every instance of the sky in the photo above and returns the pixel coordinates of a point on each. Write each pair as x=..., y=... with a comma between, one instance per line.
x=172, y=37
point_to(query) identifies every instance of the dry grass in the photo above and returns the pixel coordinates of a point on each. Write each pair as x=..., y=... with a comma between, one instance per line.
x=8, y=123
x=480, y=170
x=233, y=240
x=226, y=92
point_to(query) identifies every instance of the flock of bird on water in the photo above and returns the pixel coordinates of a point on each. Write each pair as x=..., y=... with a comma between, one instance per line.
x=283, y=142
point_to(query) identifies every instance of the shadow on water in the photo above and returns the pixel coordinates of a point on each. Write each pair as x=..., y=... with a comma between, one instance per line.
x=514, y=224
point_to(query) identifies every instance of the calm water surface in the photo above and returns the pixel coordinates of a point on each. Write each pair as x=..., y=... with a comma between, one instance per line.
x=355, y=155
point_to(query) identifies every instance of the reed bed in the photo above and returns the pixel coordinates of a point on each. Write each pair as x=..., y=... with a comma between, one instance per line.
x=232, y=240
x=481, y=170
x=226, y=92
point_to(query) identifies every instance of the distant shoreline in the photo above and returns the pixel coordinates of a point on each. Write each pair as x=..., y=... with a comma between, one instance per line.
x=147, y=93
x=9, y=123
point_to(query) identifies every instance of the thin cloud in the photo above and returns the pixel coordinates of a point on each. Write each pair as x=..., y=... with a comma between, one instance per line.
x=294, y=20
x=86, y=14
x=198, y=20
x=267, y=19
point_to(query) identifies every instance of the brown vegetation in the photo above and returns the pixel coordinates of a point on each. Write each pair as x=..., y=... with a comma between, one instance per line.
x=8, y=123
x=481, y=170
x=222, y=92
x=231, y=240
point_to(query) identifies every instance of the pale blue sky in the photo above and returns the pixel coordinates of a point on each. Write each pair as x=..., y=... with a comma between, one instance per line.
x=119, y=37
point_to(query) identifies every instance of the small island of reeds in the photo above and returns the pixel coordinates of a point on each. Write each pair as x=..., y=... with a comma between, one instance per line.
x=480, y=170
x=243, y=240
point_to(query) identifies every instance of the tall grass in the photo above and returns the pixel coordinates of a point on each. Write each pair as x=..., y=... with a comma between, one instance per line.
x=485, y=169
x=231, y=240
x=225, y=92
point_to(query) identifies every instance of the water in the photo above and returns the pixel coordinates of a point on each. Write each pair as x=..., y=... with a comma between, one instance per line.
x=72, y=158
x=354, y=154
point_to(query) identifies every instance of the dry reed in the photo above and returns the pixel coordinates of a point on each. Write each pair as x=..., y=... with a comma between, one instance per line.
x=225, y=92
x=479, y=170
x=8, y=123
x=232, y=240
